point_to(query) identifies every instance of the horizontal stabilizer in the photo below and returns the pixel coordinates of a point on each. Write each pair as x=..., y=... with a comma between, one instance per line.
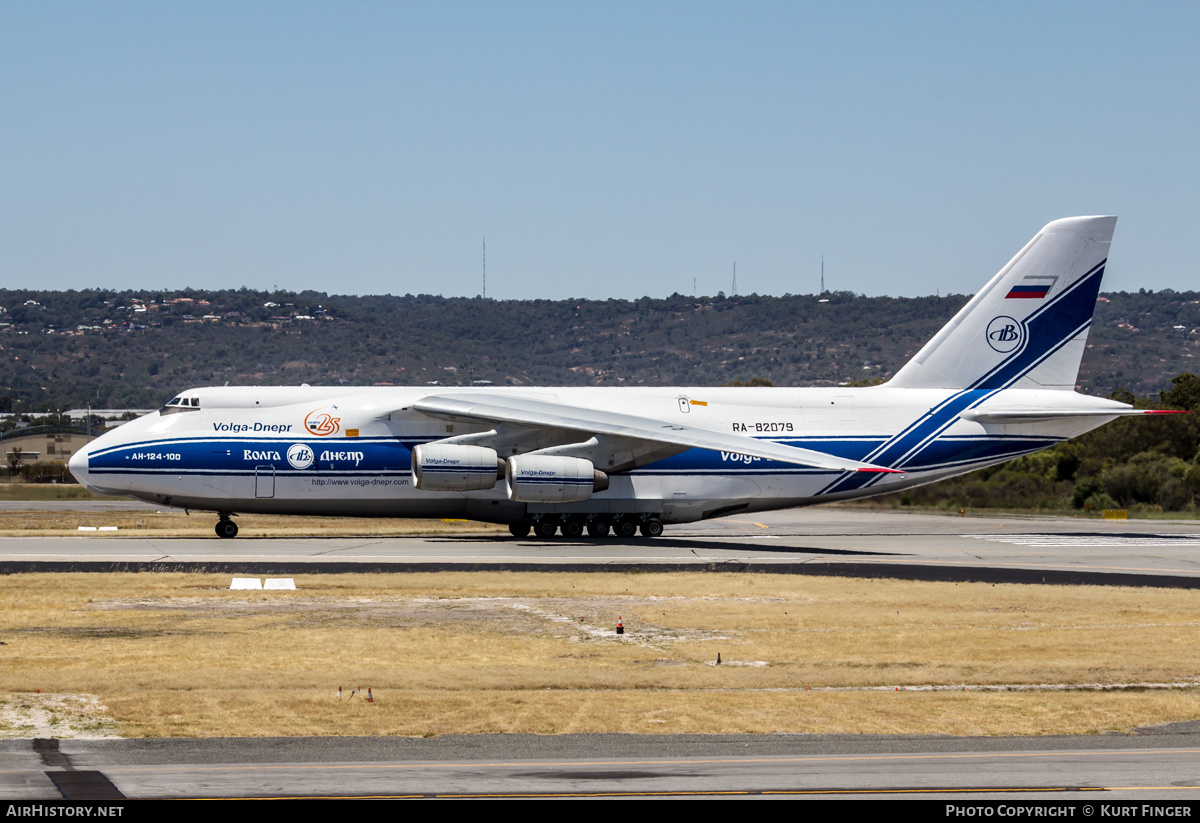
x=1043, y=415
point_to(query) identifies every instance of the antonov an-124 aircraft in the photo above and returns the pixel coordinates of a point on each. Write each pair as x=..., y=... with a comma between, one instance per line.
x=996, y=382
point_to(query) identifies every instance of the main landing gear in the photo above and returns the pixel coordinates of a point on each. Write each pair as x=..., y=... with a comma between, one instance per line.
x=599, y=525
x=226, y=528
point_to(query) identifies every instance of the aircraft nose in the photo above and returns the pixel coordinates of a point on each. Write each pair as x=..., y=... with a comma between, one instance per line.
x=78, y=466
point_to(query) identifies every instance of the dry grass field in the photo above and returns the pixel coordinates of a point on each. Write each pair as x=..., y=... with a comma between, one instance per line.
x=181, y=655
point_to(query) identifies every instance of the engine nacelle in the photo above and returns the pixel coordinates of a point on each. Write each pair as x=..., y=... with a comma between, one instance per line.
x=549, y=479
x=447, y=468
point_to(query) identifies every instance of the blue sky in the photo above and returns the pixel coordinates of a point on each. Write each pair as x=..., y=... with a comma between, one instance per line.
x=605, y=149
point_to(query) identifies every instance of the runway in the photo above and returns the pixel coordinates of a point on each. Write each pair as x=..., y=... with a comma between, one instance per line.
x=1159, y=766
x=845, y=541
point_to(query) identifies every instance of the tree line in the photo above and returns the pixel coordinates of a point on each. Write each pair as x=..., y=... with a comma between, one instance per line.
x=127, y=349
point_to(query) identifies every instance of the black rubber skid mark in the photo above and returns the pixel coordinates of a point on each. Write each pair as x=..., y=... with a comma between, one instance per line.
x=85, y=785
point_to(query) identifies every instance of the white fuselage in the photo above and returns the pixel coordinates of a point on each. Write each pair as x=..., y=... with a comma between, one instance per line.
x=338, y=451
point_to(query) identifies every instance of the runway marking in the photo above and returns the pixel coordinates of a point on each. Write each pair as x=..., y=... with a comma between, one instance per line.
x=1053, y=540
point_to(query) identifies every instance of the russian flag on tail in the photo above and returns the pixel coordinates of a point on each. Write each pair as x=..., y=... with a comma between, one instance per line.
x=1036, y=292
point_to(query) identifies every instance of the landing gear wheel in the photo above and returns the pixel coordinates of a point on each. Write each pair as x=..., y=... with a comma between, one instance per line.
x=652, y=528
x=598, y=527
x=625, y=528
x=519, y=529
x=572, y=528
x=226, y=529
x=545, y=528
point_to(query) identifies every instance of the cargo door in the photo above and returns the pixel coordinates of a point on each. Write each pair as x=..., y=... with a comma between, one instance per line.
x=264, y=481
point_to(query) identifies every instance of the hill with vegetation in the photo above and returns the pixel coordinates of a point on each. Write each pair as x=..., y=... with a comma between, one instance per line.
x=137, y=349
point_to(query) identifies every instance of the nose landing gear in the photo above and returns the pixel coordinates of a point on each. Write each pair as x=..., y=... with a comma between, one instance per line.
x=226, y=528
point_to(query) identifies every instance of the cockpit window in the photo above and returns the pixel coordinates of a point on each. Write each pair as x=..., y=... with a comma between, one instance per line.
x=181, y=403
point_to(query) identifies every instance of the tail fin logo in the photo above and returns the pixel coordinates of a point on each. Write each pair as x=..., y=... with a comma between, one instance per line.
x=1004, y=334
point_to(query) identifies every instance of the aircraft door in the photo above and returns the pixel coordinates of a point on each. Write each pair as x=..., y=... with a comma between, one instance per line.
x=264, y=481
x=845, y=407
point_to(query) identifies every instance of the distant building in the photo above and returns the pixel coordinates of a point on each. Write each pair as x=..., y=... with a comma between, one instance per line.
x=35, y=443
x=105, y=414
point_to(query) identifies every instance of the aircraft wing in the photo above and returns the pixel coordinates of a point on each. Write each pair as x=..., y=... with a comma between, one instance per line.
x=538, y=414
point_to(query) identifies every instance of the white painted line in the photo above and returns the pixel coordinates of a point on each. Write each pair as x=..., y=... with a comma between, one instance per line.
x=1051, y=540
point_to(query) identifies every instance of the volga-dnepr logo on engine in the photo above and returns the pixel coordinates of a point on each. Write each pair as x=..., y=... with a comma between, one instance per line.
x=322, y=423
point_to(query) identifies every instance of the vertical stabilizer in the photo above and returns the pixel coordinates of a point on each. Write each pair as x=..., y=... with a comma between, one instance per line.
x=1028, y=326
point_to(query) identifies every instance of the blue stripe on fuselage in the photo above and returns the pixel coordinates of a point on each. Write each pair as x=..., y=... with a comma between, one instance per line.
x=908, y=443
x=232, y=457
x=225, y=455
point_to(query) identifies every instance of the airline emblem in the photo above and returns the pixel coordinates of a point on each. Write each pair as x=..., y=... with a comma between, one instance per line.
x=322, y=423
x=1004, y=334
x=300, y=456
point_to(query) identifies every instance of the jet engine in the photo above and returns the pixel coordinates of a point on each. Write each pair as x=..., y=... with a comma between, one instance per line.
x=447, y=468
x=550, y=479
